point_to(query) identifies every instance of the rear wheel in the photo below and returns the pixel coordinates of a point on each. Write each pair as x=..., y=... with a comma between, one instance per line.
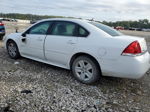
x=86, y=70
x=12, y=50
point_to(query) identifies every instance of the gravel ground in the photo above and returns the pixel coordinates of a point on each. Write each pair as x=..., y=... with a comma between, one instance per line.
x=52, y=89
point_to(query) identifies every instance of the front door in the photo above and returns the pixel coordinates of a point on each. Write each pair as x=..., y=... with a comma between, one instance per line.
x=32, y=43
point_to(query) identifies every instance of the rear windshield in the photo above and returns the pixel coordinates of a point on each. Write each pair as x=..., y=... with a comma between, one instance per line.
x=107, y=29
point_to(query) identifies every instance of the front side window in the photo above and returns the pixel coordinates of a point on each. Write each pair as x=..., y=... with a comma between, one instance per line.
x=40, y=28
x=106, y=29
x=64, y=29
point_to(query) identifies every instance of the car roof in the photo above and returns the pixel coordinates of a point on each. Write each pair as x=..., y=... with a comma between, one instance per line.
x=84, y=23
x=65, y=19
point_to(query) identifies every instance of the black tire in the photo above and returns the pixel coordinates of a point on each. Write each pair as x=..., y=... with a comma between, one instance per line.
x=16, y=53
x=95, y=71
x=1, y=37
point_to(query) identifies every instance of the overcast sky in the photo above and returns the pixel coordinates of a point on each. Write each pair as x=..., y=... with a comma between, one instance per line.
x=109, y=10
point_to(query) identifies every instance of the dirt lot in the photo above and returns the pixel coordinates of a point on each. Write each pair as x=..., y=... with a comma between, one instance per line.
x=53, y=89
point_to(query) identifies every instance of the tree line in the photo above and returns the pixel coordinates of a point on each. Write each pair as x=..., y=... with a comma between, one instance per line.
x=144, y=23
x=26, y=16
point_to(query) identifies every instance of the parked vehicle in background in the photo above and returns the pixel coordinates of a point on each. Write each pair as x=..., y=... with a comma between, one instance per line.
x=138, y=29
x=2, y=30
x=33, y=21
x=146, y=30
x=131, y=28
x=88, y=49
x=8, y=19
x=119, y=28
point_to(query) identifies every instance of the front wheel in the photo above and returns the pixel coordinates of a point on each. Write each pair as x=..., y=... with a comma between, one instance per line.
x=12, y=50
x=86, y=70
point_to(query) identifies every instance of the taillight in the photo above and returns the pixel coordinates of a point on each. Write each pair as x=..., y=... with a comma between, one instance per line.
x=1, y=24
x=133, y=49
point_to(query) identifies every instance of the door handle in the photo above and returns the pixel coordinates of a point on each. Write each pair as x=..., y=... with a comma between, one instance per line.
x=71, y=42
x=23, y=39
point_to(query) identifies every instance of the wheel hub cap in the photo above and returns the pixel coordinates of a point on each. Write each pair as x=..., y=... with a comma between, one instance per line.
x=12, y=49
x=84, y=70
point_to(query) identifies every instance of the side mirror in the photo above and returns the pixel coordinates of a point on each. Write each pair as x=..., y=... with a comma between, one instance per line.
x=24, y=34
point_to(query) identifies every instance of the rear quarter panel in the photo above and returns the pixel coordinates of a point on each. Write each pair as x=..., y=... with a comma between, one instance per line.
x=106, y=50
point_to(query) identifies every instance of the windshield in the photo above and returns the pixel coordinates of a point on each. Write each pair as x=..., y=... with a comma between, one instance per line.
x=107, y=29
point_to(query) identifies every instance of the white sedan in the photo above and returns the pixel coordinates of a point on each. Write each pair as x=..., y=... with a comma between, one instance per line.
x=89, y=49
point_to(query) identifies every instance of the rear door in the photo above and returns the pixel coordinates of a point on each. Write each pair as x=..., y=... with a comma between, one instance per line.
x=61, y=42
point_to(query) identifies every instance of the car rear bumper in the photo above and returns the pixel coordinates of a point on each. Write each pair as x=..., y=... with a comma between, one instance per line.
x=127, y=66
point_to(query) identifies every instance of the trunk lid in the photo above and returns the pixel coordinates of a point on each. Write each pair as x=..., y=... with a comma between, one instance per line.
x=131, y=39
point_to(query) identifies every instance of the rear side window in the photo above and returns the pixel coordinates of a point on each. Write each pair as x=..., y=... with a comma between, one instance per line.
x=64, y=29
x=40, y=28
x=83, y=32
